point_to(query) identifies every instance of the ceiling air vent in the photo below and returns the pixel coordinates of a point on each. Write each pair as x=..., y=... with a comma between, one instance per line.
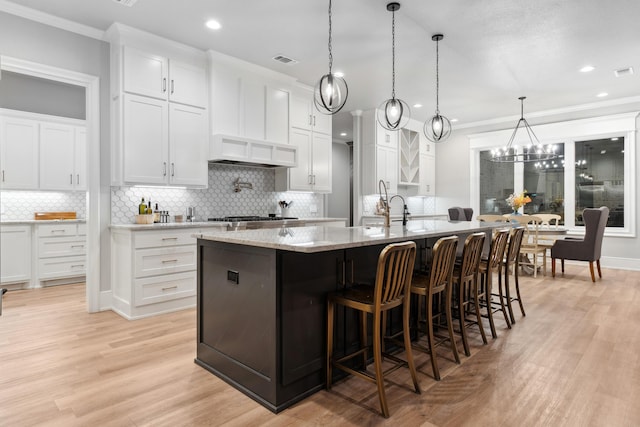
x=285, y=59
x=623, y=72
x=126, y=2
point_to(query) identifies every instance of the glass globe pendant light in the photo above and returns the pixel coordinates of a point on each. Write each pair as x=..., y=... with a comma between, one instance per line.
x=394, y=113
x=438, y=127
x=331, y=91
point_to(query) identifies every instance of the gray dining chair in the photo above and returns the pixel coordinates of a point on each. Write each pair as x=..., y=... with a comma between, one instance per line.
x=460, y=214
x=587, y=249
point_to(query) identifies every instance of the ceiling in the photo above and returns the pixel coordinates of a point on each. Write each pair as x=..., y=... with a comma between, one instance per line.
x=493, y=50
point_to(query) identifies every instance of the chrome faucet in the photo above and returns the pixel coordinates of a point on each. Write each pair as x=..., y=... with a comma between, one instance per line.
x=239, y=185
x=405, y=210
x=382, y=207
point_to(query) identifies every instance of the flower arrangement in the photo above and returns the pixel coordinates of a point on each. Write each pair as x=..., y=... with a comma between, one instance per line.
x=516, y=201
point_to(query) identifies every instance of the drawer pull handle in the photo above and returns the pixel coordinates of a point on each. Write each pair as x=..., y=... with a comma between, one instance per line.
x=77, y=246
x=58, y=231
x=77, y=266
x=168, y=288
x=169, y=260
x=169, y=238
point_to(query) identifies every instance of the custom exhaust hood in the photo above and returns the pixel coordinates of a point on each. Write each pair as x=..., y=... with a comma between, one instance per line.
x=243, y=151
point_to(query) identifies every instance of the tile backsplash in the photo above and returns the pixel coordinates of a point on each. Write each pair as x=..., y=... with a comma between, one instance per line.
x=21, y=205
x=219, y=199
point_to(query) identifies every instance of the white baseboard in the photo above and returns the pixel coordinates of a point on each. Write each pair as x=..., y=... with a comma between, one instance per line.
x=620, y=263
x=105, y=300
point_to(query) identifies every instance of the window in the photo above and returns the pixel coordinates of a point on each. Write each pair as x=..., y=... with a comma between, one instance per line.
x=599, y=175
x=595, y=168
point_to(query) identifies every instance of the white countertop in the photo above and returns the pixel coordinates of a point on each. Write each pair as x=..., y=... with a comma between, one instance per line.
x=208, y=224
x=320, y=239
x=42, y=221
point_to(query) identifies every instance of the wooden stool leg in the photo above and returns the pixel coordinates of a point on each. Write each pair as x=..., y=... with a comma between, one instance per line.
x=329, y=342
x=407, y=345
x=487, y=288
x=553, y=267
x=363, y=338
x=501, y=296
x=562, y=264
x=476, y=300
x=599, y=271
x=431, y=339
x=447, y=309
x=461, y=318
x=517, y=282
x=377, y=361
x=508, y=295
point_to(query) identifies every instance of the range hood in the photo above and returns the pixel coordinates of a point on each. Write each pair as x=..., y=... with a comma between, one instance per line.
x=243, y=151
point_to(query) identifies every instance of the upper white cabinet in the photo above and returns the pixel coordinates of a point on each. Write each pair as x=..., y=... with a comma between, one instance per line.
x=18, y=153
x=310, y=132
x=304, y=114
x=159, y=110
x=409, y=154
x=62, y=157
x=380, y=155
x=159, y=77
x=41, y=152
x=248, y=101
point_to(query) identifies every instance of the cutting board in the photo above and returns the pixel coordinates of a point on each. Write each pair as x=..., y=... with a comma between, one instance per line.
x=54, y=215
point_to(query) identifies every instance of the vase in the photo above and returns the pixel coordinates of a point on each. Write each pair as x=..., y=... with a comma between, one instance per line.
x=515, y=212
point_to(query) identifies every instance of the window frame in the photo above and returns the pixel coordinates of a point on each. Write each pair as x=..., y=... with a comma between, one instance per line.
x=568, y=133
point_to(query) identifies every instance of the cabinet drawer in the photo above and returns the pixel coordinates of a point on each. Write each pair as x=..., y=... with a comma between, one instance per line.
x=147, y=239
x=61, y=246
x=56, y=230
x=164, y=288
x=55, y=268
x=152, y=262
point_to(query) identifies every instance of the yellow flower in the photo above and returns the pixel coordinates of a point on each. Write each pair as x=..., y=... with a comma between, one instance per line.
x=516, y=201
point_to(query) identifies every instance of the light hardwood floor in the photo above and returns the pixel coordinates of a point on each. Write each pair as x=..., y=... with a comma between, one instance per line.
x=572, y=361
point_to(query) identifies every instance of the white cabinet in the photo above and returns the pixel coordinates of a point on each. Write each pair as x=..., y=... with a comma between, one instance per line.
x=427, y=175
x=156, y=76
x=159, y=111
x=153, y=271
x=18, y=153
x=247, y=101
x=379, y=154
x=409, y=154
x=61, y=251
x=62, y=157
x=15, y=253
x=164, y=143
x=310, y=133
x=304, y=114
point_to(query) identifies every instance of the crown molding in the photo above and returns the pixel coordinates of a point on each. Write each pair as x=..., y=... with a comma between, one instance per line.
x=51, y=20
x=554, y=112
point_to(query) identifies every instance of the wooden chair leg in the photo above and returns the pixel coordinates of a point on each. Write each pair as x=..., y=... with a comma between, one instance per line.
x=562, y=264
x=593, y=276
x=407, y=346
x=599, y=271
x=329, y=343
x=377, y=361
x=553, y=267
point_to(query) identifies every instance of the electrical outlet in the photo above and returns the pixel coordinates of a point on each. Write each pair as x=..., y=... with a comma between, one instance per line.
x=313, y=209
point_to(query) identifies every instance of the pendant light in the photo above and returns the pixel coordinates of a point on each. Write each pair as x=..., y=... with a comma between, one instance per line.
x=532, y=151
x=394, y=113
x=331, y=91
x=438, y=127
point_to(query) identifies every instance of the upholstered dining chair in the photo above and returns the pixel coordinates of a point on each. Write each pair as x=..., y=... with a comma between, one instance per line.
x=390, y=290
x=491, y=218
x=587, y=249
x=460, y=214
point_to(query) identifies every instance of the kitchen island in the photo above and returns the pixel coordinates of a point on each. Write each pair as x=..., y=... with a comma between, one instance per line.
x=261, y=300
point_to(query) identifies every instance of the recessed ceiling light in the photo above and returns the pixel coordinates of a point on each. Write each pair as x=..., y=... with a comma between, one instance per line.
x=587, y=69
x=453, y=120
x=338, y=74
x=343, y=134
x=213, y=24
x=602, y=94
x=417, y=105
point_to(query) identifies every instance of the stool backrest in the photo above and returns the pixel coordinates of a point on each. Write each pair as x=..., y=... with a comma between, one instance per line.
x=498, y=247
x=394, y=272
x=444, y=258
x=515, y=241
x=471, y=254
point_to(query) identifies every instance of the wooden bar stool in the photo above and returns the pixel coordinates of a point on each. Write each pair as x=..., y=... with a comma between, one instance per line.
x=487, y=268
x=391, y=289
x=434, y=289
x=511, y=262
x=466, y=289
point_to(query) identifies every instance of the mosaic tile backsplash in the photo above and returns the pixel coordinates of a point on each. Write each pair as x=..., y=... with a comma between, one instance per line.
x=424, y=205
x=219, y=199
x=21, y=205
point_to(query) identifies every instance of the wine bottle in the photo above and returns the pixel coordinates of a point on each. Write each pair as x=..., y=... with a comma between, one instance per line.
x=142, y=208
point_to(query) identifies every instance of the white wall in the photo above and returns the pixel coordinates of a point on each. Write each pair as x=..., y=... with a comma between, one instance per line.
x=453, y=184
x=28, y=40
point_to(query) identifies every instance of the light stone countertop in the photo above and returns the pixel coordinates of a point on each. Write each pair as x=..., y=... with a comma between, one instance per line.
x=208, y=224
x=321, y=239
x=42, y=221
